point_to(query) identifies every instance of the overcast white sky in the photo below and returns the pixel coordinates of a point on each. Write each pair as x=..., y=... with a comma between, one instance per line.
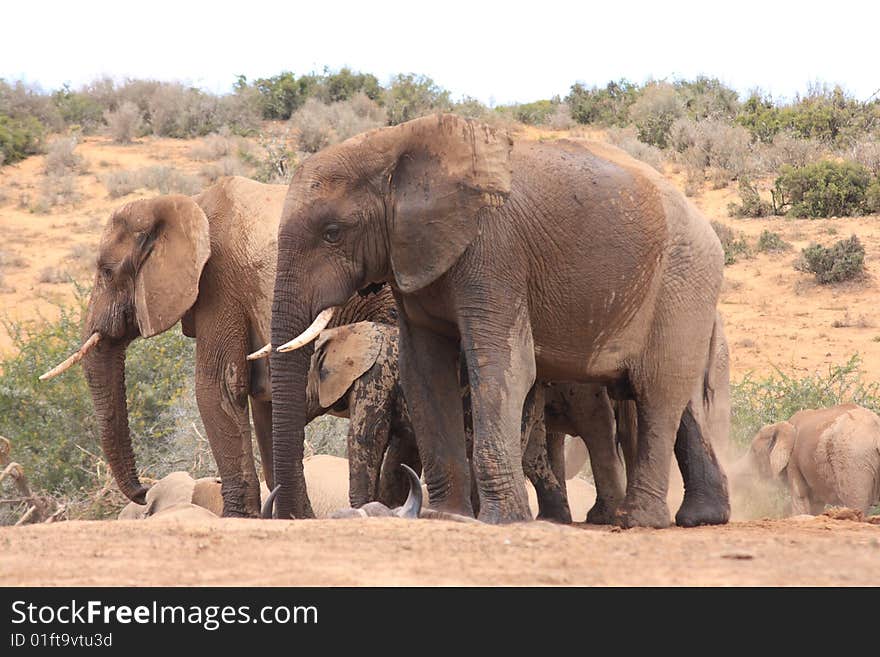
x=494, y=51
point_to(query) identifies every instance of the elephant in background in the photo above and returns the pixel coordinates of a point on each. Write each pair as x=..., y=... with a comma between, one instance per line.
x=822, y=456
x=207, y=261
x=553, y=261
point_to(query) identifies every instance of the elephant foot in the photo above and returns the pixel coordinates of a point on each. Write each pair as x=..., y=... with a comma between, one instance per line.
x=699, y=510
x=561, y=515
x=498, y=513
x=602, y=513
x=642, y=512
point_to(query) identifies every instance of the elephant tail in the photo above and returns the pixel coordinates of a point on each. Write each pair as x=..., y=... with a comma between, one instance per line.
x=708, y=379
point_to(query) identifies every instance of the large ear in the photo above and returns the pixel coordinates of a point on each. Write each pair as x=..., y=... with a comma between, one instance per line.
x=174, y=248
x=341, y=356
x=781, y=447
x=447, y=170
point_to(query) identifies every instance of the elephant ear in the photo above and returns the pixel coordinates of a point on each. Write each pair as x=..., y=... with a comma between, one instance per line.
x=781, y=447
x=447, y=170
x=173, y=248
x=342, y=355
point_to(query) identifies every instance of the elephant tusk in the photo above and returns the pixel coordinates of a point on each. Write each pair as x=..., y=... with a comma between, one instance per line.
x=310, y=333
x=413, y=505
x=267, y=512
x=262, y=352
x=73, y=359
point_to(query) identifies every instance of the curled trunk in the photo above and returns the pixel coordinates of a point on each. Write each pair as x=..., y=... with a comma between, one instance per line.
x=105, y=373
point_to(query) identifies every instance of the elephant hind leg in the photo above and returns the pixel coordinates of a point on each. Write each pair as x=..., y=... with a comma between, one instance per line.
x=706, y=501
x=261, y=411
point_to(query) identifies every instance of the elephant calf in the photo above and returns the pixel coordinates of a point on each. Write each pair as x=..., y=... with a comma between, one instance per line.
x=824, y=456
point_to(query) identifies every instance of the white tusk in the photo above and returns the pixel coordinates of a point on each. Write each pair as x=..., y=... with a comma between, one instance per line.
x=73, y=359
x=262, y=352
x=310, y=333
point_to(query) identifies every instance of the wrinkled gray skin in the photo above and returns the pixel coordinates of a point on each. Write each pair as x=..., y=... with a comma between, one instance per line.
x=822, y=456
x=207, y=261
x=538, y=261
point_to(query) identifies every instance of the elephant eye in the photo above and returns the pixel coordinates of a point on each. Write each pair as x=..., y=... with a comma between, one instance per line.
x=106, y=272
x=332, y=233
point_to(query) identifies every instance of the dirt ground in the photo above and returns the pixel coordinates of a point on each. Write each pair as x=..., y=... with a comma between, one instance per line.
x=379, y=551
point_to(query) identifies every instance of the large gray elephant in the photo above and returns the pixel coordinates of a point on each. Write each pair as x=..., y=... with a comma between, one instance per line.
x=536, y=260
x=207, y=261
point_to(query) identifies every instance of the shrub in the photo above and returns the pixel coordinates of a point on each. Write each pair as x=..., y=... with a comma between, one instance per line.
x=61, y=158
x=706, y=98
x=471, y=108
x=21, y=101
x=227, y=166
x=181, y=112
x=761, y=117
x=78, y=108
x=714, y=146
x=655, y=111
x=410, y=96
x=275, y=158
x=770, y=242
x=125, y=123
x=163, y=179
x=823, y=189
x=872, y=197
x=607, y=106
x=734, y=245
x=320, y=125
x=867, y=153
x=752, y=204
x=19, y=138
x=824, y=114
x=345, y=84
x=52, y=425
x=625, y=139
x=756, y=402
x=788, y=149
x=54, y=190
x=843, y=261
x=280, y=95
x=536, y=113
x=561, y=118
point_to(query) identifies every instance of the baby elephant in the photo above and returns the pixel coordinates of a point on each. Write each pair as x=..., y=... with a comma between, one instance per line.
x=825, y=456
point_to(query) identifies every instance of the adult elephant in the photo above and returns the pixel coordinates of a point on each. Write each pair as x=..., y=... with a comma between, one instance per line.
x=207, y=261
x=547, y=261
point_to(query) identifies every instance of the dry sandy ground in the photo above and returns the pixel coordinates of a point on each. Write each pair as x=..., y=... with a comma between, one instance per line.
x=380, y=551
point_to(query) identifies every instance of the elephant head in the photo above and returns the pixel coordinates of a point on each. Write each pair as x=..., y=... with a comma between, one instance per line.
x=150, y=258
x=768, y=454
x=397, y=205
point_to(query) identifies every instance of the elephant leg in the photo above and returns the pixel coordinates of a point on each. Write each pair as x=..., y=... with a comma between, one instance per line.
x=556, y=454
x=706, y=501
x=261, y=412
x=550, y=491
x=402, y=448
x=592, y=416
x=370, y=405
x=627, y=432
x=469, y=432
x=225, y=416
x=501, y=370
x=429, y=380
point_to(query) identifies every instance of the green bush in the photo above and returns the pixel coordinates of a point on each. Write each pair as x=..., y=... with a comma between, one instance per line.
x=708, y=98
x=761, y=117
x=752, y=204
x=872, y=197
x=604, y=106
x=282, y=94
x=538, y=112
x=734, y=245
x=756, y=402
x=410, y=96
x=345, y=84
x=770, y=242
x=841, y=262
x=823, y=189
x=653, y=114
x=19, y=138
x=78, y=108
x=52, y=425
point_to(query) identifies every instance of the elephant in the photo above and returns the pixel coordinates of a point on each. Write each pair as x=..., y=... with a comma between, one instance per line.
x=538, y=261
x=822, y=456
x=175, y=490
x=208, y=262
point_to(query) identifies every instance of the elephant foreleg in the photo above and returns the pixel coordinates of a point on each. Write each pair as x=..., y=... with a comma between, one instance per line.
x=501, y=370
x=223, y=407
x=429, y=380
x=550, y=491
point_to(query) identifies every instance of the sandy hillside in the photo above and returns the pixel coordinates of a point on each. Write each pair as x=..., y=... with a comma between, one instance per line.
x=775, y=316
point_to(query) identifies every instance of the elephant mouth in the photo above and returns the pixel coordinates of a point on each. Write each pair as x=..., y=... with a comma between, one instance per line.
x=372, y=288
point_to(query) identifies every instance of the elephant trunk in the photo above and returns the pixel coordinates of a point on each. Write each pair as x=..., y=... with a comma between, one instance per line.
x=105, y=373
x=289, y=405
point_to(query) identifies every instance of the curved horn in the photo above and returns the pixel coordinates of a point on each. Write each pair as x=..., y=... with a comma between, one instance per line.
x=413, y=505
x=266, y=511
x=73, y=359
x=310, y=333
x=262, y=352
